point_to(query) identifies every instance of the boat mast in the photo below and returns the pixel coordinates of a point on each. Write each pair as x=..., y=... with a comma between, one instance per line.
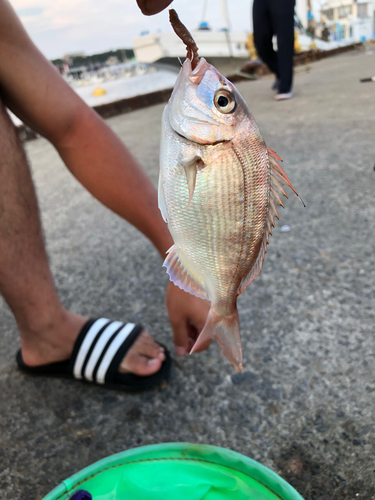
x=226, y=25
x=204, y=11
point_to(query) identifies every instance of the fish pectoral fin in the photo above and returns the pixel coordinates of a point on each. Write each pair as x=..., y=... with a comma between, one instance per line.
x=180, y=276
x=161, y=198
x=191, y=166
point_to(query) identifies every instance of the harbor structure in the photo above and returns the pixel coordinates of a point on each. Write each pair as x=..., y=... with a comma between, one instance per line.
x=154, y=46
x=349, y=20
x=330, y=22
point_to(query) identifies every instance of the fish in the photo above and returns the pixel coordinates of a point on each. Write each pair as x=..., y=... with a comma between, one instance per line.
x=219, y=189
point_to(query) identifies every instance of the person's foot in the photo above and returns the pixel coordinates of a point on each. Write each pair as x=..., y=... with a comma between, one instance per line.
x=145, y=356
x=283, y=96
x=55, y=343
x=275, y=85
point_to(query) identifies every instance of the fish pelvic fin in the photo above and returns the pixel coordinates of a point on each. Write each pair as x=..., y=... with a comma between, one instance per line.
x=181, y=276
x=278, y=179
x=226, y=330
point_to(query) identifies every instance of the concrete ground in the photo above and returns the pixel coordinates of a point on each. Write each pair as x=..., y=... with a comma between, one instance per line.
x=305, y=403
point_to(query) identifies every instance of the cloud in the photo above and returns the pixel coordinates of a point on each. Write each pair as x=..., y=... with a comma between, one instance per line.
x=30, y=11
x=61, y=26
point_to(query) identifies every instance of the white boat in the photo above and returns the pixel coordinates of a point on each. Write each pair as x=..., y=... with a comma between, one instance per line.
x=155, y=46
x=220, y=44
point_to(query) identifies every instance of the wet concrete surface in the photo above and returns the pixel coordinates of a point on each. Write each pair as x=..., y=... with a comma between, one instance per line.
x=305, y=403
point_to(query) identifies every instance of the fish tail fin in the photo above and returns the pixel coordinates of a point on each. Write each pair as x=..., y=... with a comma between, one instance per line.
x=226, y=330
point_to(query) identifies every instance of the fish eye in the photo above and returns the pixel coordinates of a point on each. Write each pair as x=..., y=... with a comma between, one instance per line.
x=224, y=101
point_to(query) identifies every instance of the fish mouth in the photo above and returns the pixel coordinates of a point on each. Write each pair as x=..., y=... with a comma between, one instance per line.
x=190, y=139
x=196, y=75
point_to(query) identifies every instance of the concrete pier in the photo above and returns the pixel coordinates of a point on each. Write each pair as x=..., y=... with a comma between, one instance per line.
x=305, y=403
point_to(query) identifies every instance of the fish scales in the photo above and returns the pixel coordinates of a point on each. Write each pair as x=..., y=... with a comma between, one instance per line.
x=219, y=186
x=201, y=230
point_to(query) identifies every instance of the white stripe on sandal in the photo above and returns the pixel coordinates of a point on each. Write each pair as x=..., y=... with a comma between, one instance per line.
x=112, y=350
x=99, y=348
x=86, y=344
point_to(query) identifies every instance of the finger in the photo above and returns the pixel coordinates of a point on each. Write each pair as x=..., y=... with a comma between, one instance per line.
x=193, y=335
x=195, y=327
x=201, y=348
x=151, y=7
x=181, y=337
x=198, y=317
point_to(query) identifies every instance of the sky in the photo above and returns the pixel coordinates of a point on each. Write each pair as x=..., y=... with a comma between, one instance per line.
x=59, y=27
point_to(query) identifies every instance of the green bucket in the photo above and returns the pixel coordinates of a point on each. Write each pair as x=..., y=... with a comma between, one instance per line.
x=177, y=471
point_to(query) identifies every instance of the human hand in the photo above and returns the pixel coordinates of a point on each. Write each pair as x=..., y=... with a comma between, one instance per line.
x=187, y=315
x=151, y=7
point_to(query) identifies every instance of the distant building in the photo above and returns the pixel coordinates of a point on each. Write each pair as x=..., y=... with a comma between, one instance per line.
x=112, y=61
x=349, y=20
x=68, y=58
x=301, y=10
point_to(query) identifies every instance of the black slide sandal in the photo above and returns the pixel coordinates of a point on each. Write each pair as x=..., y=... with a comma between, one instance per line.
x=97, y=354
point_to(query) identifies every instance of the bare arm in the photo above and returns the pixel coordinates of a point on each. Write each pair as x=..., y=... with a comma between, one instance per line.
x=32, y=88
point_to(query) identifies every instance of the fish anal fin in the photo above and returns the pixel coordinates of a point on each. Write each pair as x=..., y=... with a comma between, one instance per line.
x=180, y=276
x=226, y=330
x=190, y=166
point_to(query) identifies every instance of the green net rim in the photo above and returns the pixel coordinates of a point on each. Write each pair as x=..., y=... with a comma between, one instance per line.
x=180, y=451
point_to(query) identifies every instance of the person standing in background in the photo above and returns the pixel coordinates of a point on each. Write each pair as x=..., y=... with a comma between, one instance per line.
x=276, y=17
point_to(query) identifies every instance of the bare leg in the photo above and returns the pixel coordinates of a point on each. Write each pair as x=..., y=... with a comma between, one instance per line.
x=48, y=331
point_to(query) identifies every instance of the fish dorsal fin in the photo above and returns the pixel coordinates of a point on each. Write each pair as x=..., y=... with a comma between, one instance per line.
x=161, y=198
x=278, y=178
x=181, y=276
